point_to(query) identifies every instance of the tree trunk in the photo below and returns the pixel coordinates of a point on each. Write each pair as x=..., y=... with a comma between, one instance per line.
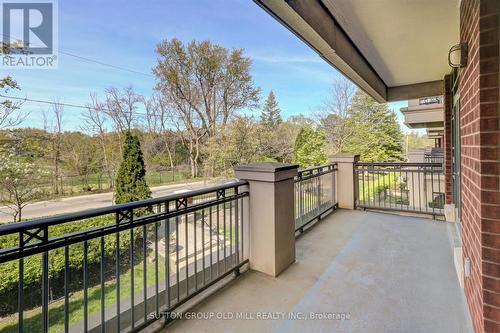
x=193, y=166
x=106, y=162
x=197, y=156
x=56, y=169
x=171, y=160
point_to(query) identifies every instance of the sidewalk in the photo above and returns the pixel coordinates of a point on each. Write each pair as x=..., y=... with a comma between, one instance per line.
x=83, y=202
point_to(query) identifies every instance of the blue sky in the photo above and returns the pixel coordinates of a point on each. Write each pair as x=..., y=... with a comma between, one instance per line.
x=124, y=33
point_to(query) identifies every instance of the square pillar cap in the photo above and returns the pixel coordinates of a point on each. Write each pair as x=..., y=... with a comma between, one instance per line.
x=266, y=171
x=344, y=158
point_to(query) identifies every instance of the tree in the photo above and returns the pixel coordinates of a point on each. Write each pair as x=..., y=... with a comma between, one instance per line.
x=121, y=107
x=94, y=122
x=300, y=121
x=270, y=115
x=160, y=138
x=376, y=136
x=415, y=140
x=20, y=181
x=274, y=142
x=309, y=147
x=9, y=111
x=284, y=142
x=81, y=156
x=206, y=84
x=356, y=123
x=54, y=127
x=131, y=178
x=235, y=144
x=336, y=118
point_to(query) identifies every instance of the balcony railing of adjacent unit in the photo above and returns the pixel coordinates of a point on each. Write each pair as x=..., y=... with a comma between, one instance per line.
x=116, y=269
x=434, y=158
x=410, y=187
x=315, y=194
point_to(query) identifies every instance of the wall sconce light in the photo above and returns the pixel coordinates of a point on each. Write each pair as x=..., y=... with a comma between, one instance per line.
x=457, y=57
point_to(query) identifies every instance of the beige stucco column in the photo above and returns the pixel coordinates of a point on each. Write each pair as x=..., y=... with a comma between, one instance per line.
x=345, y=178
x=271, y=215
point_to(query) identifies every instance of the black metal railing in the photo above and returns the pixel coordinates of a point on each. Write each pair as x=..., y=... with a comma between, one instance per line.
x=434, y=158
x=119, y=268
x=315, y=194
x=410, y=187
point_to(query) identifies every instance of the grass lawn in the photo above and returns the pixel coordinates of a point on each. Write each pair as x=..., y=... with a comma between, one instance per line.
x=369, y=189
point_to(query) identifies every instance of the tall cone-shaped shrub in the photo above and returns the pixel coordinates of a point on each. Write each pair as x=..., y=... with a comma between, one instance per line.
x=131, y=178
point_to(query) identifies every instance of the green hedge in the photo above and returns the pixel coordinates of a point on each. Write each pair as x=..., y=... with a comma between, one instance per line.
x=9, y=278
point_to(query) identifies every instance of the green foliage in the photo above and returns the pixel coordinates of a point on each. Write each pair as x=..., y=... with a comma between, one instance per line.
x=376, y=134
x=310, y=147
x=33, y=269
x=207, y=84
x=235, y=144
x=33, y=319
x=81, y=156
x=20, y=179
x=246, y=141
x=276, y=143
x=130, y=181
x=414, y=140
x=163, y=150
x=437, y=202
x=9, y=110
x=32, y=142
x=374, y=185
x=276, y=137
x=271, y=113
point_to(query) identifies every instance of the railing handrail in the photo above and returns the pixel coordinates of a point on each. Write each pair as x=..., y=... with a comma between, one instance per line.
x=318, y=167
x=409, y=164
x=10, y=228
x=316, y=171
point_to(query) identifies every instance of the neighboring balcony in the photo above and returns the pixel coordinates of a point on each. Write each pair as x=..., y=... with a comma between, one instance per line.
x=424, y=113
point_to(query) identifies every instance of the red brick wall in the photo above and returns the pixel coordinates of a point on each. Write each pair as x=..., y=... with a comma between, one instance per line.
x=447, y=139
x=479, y=117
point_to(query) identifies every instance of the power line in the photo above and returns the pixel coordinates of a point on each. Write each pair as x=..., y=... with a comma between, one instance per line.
x=52, y=103
x=71, y=105
x=85, y=107
x=105, y=64
x=102, y=63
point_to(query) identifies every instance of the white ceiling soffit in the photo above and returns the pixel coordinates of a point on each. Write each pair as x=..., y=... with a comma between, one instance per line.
x=392, y=49
x=406, y=41
x=320, y=37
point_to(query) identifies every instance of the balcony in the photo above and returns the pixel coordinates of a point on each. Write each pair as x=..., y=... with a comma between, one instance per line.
x=120, y=268
x=388, y=273
x=424, y=113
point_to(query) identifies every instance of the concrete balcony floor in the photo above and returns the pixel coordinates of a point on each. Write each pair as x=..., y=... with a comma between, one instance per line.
x=390, y=273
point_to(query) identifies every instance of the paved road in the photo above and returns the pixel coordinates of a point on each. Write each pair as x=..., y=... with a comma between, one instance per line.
x=75, y=204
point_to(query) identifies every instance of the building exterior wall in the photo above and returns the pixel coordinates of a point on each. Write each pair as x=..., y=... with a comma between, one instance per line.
x=480, y=160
